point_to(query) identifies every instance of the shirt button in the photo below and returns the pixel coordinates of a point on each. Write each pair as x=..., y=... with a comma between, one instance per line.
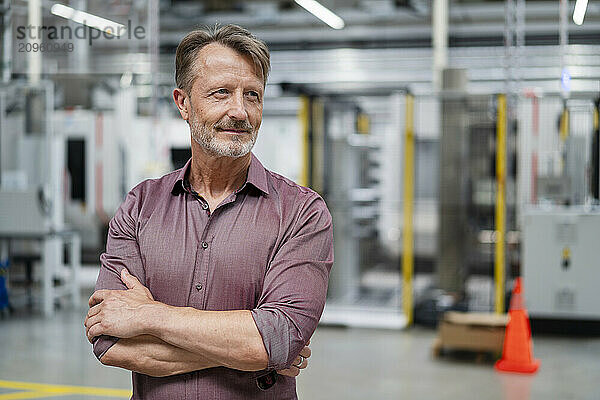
x=204, y=245
x=199, y=287
x=204, y=206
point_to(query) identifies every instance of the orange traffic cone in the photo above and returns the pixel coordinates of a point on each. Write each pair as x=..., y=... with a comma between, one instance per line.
x=517, y=355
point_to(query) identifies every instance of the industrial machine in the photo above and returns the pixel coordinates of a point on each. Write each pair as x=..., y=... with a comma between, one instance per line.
x=31, y=201
x=561, y=218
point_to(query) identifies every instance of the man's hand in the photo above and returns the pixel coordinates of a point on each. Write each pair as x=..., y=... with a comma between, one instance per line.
x=117, y=312
x=294, y=370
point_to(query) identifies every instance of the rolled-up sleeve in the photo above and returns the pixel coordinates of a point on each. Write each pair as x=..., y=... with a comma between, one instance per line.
x=122, y=251
x=295, y=286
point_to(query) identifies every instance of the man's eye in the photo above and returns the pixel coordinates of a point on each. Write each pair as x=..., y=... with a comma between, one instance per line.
x=222, y=91
x=252, y=94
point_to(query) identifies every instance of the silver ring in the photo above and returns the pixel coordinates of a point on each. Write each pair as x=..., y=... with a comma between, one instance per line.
x=300, y=362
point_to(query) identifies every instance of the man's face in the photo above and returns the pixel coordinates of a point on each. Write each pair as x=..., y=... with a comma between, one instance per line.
x=226, y=102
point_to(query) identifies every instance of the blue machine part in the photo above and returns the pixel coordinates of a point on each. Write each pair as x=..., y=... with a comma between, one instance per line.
x=3, y=290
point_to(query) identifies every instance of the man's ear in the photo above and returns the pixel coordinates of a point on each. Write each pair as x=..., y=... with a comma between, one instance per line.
x=182, y=102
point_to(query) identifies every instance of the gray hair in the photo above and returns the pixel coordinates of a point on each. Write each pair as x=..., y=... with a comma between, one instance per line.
x=232, y=36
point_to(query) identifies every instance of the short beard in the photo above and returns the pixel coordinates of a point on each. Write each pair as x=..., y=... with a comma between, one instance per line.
x=234, y=147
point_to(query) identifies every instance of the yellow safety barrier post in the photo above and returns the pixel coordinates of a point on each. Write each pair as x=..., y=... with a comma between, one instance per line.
x=407, y=227
x=303, y=116
x=564, y=124
x=499, y=262
x=564, y=133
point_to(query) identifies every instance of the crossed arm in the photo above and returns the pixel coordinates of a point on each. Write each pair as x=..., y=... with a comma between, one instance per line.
x=161, y=340
x=131, y=330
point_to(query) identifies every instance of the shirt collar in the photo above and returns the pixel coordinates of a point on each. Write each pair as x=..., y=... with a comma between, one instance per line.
x=257, y=176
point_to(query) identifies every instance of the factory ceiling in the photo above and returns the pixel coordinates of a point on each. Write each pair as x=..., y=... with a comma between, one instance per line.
x=373, y=25
x=369, y=23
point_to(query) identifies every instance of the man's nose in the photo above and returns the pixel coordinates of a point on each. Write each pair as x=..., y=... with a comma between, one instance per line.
x=237, y=108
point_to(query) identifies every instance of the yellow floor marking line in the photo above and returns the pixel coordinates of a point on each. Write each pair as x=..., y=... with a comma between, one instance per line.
x=27, y=395
x=36, y=390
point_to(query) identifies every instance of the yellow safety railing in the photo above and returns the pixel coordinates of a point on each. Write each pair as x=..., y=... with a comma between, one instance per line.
x=499, y=261
x=407, y=227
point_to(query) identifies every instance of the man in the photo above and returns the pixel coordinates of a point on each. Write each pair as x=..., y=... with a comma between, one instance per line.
x=215, y=275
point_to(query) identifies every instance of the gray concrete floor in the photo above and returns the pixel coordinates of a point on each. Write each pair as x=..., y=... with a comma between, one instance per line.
x=346, y=364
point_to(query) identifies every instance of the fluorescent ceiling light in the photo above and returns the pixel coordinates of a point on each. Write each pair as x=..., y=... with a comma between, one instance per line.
x=321, y=12
x=93, y=21
x=579, y=12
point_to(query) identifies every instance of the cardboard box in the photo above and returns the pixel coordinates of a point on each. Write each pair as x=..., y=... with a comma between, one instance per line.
x=472, y=331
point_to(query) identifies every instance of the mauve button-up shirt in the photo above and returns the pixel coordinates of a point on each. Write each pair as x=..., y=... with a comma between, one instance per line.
x=267, y=248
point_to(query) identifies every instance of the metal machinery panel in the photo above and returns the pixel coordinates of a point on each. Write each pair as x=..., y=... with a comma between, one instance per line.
x=560, y=263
